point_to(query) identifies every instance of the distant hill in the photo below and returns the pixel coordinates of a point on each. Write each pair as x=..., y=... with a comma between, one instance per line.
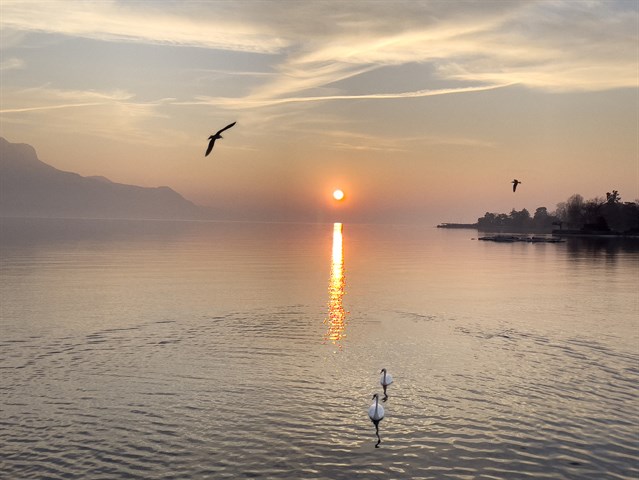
x=30, y=188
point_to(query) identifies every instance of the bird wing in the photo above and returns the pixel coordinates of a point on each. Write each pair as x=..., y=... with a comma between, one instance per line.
x=225, y=128
x=210, y=147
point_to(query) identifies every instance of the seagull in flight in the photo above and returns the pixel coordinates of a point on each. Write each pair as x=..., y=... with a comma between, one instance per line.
x=212, y=138
x=515, y=182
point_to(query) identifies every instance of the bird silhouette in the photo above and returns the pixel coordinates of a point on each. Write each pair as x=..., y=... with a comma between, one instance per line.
x=376, y=414
x=515, y=182
x=385, y=381
x=217, y=135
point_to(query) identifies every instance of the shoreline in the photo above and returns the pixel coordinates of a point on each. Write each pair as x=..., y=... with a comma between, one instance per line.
x=554, y=232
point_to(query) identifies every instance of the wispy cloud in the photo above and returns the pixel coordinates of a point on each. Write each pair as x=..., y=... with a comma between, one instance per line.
x=469, y=46
x=265, y=102
x=110, y=114
x=141, y=22
x=544, y=45
x=46, y=98
x=11, y=64
x=548, y=45
x=359, y=142
x=531, y=44
x=50, y=107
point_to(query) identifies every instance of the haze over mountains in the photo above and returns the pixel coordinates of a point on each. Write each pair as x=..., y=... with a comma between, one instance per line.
x=31, y=188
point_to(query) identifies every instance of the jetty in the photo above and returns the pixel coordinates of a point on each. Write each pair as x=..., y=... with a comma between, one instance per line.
x=458, y=225
x=521, y=238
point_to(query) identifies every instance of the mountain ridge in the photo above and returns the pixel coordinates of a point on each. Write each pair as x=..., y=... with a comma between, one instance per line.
x=30, y=187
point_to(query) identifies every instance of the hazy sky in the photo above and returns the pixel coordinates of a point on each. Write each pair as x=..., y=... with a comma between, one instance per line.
x=418, y=110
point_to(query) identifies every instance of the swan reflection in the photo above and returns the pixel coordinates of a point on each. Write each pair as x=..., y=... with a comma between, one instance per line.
x=336, y=320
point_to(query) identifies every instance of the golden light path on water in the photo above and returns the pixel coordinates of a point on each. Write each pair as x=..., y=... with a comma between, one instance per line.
x=336, y=320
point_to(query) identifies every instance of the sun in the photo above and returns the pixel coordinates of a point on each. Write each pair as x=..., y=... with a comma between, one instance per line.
x=338, y=195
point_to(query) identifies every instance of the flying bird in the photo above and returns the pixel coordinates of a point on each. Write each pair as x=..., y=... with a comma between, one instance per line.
x=515, y=182
x=385, y=381
x=376, y=414
x=212, y=138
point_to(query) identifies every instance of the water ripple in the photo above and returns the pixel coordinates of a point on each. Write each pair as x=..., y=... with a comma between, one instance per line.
x=254, y=394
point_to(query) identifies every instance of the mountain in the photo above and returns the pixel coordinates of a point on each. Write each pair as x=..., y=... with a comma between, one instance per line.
x=30, y=188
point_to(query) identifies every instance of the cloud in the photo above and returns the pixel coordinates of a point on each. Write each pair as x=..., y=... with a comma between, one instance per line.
x=264, y=102
x=49, y=107
x=541, y=45
x=547, y=45
x=552, y=46
x=313, y=46
x=46, y=98
x=140, y=22
x=344, y=140
x=556, y=46
x=110, y=114
x=11, y=64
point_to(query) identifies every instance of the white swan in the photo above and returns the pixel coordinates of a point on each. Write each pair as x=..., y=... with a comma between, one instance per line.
x=376, y=411
x=385, y=381
x=376, y=414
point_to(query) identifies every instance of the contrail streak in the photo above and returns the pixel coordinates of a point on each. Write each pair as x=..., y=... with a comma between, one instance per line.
x=50, y=107
x=247, y=102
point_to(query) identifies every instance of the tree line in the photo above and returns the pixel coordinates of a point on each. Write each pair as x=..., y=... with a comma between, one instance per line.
x=597, y=215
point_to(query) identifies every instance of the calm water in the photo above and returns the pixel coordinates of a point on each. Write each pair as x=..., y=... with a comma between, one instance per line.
x=185, y=350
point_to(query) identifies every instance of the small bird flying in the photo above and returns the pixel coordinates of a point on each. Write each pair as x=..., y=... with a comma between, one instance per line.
x=515, y=182
x=217, y=135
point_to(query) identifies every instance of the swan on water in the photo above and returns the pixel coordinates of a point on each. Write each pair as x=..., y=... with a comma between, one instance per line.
x=376, y=414
x=385, y=380
x=376, y=411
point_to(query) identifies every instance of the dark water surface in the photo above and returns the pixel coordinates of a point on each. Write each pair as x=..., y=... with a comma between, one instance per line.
x=221, y=350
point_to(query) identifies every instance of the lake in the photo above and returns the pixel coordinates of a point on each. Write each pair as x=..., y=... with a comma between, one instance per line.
x=173, y=350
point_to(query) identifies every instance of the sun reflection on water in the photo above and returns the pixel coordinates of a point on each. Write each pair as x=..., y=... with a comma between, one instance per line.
x=336, y=320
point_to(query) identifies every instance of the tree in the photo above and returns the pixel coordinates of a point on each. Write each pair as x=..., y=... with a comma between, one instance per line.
x=542, y=220
x=573, y=213
x=613, y=197
x=540, y=214
x=600, y=214
x=520, y=220
x=594, y=214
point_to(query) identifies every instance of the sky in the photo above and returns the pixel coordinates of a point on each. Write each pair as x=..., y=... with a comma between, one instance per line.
x=420, y=111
